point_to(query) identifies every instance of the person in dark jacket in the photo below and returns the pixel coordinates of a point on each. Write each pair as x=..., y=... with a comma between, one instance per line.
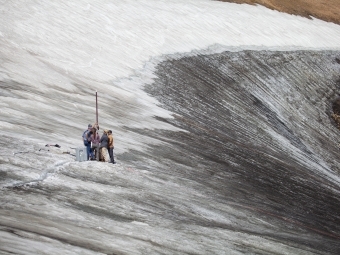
x=104, y=141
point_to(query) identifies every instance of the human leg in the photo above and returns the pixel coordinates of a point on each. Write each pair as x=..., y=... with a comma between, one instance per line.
x=88, y=150
x=112, y=160
x=95, y=150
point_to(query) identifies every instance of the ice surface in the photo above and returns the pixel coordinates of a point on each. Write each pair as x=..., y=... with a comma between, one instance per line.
x=177, y=188
x=57, y=54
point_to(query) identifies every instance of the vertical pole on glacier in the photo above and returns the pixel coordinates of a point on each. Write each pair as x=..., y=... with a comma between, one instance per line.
x=97, y=108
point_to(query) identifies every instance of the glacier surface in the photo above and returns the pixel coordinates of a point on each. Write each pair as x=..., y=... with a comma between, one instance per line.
x=221, y=118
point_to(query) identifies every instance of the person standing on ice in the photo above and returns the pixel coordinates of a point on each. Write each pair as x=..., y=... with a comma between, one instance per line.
x=87, y=141
x=104, y=141
x=111, y=147
x=95, y=140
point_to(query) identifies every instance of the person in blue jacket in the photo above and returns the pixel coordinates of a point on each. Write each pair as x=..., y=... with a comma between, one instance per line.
x=87, y=142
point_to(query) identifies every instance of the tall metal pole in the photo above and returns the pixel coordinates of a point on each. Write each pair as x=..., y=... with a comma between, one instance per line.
x=96, y=108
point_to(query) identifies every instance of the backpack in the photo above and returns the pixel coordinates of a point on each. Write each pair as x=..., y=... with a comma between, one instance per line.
x=86, y=142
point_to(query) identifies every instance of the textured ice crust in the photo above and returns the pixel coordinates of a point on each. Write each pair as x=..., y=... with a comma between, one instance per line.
x=95, y=208
x=250, y=166
x=220, y=114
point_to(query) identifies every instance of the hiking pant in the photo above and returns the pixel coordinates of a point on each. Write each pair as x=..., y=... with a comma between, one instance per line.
x=111, y=155
x=95, y=150
x=89, y=151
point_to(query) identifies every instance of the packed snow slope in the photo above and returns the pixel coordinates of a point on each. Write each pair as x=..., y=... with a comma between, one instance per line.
x=221, y=118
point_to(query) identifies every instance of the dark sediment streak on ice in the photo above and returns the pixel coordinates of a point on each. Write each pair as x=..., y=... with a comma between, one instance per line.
x=254, y=171
x=260, y=137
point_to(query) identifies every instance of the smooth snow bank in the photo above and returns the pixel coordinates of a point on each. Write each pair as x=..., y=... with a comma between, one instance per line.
x=55, y=54
x=105, y=40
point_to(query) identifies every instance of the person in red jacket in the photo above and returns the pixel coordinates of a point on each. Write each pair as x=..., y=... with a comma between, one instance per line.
x=95, y=141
